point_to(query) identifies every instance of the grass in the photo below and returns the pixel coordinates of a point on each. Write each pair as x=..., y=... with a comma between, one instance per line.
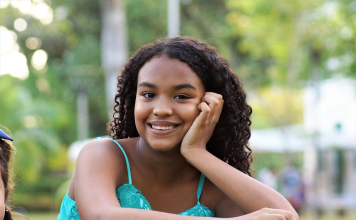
x=327, y=217
x=40, y=216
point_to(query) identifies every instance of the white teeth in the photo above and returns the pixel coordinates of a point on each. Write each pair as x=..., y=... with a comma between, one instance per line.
x=162, y=127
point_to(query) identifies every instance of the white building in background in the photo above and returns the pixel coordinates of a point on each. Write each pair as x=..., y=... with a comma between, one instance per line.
x=330, y=165
x=333, y=113
x=328, y=140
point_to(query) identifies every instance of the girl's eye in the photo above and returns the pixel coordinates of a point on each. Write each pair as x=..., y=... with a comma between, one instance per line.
x=148, y=95
x=182, y=97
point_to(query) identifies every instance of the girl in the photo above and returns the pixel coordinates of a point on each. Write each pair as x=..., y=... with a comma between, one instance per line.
x=6, y=149
x=179, y=144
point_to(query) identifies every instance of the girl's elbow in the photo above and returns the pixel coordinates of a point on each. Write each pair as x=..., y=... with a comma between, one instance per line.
x=98, y=213
x=104, y=213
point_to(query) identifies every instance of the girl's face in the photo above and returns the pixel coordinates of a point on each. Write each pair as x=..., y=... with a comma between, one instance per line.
x=168, y=93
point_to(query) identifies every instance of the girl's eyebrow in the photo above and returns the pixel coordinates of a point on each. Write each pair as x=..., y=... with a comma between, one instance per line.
x=147, y=84
x=184, y=86
x=176, y=87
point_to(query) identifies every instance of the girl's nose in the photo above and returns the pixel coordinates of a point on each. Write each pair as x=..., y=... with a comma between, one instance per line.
x=162, y=108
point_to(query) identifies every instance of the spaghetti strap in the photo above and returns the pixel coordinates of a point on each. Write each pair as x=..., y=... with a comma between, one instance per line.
x=200, y=186
x=127, y=161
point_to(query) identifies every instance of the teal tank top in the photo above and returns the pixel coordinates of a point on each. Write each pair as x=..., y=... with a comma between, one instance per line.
x=130, y=197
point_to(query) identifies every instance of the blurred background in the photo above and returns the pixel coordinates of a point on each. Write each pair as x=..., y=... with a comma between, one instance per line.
x=59, y=61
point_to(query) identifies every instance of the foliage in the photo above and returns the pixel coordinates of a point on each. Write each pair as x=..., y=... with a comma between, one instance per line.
x=276, y=106
x=292, y=37
x=275, y=161
x=146, y=22
x=41, y=111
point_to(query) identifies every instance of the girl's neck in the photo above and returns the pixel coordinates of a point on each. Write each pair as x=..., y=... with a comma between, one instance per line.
x=167, y=165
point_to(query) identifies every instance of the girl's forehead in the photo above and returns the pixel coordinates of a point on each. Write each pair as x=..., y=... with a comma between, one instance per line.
x=163, y=71
x=164, y=66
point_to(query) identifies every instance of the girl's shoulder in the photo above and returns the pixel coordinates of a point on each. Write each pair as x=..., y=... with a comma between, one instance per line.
x=108, y=145
x=107, y=154
x=104, y=158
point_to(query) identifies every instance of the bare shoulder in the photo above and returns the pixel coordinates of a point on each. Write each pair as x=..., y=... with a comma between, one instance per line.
x=100, y=164
x=219, y=201
x=99, y=146
x=106, y=154
x=105, y=149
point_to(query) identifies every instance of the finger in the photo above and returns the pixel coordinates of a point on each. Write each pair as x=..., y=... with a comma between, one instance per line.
x=205, y=112
x=205, y=109
x=287, y=214
x=209, y=96
x=215, y=103
x=275, y=217
x=216, y=95
x=211, y=101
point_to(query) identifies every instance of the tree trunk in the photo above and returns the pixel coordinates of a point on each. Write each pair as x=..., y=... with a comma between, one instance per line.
x=114, y=43
x=173, y=17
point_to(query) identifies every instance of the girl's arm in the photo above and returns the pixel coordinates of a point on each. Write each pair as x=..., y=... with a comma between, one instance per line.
x=247, y=193
x=100, y=168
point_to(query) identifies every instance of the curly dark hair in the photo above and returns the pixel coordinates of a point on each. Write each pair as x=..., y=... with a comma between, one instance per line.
x=6, y=150
x=229, y=141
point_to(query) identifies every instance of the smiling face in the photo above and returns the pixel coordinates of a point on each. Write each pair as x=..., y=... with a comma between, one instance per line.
x=168, y=93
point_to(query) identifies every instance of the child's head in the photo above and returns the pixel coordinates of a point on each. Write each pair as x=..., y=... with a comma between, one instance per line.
x=6, y=150
x=230, y=138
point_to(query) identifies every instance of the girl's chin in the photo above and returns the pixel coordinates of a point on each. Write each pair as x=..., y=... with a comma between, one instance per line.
x=165, y=147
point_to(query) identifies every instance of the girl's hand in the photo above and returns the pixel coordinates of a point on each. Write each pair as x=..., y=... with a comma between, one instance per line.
x=203, y=126
x=269, y=214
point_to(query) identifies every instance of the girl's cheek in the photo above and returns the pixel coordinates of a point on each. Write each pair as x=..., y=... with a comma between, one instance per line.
x=138, y=106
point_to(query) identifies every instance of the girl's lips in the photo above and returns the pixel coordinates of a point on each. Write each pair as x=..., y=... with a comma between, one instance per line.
x=162, y=129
